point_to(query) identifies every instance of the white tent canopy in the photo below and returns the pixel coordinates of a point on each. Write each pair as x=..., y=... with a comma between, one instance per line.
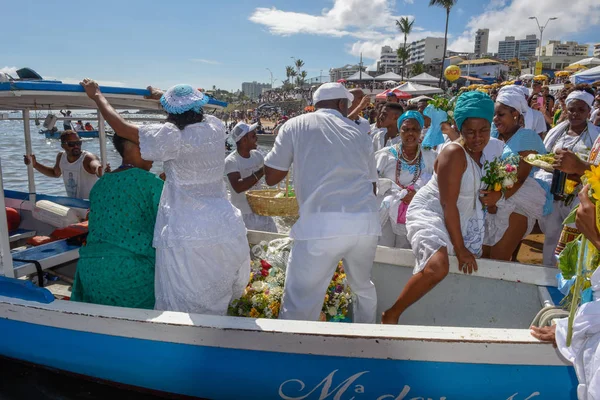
x=389, y=76
x=593, y=61
x=588, y=76
x=424, y=77
x=359, y=76
x=416, y=89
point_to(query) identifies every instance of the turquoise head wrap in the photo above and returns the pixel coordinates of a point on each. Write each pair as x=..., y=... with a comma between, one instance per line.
x=473, y=105
x=411, y=115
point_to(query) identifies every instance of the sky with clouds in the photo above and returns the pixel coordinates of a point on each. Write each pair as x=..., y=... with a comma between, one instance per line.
x=137, y=43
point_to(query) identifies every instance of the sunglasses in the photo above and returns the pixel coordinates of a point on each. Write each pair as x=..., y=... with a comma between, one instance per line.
x=74, y=143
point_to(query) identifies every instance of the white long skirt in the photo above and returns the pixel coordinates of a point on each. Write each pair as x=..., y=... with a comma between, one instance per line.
x=529, y=201
x=255, y=222
x=202, y=280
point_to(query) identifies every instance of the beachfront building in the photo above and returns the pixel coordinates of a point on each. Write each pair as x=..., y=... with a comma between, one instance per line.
x=484, y=68
x=556, y=48
x=335, y=74
x=558, y=63
x=254, y=89
x=597, y=50
x=389, y=61
x=523, y=49
x=426, y=50
x=482, y=37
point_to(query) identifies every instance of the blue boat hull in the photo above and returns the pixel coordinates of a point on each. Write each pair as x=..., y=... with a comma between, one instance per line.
x=82, y=134
x=222, y=373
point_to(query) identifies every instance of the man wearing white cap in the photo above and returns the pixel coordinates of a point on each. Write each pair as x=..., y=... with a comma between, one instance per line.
x=334, y=179
x=244, y=169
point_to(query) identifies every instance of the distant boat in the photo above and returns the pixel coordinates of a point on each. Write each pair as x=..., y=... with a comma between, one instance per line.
x=82, y=134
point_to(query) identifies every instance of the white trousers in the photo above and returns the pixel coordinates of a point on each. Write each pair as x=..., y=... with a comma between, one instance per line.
x=390, y=239
x=552, y=226
x=311, y=266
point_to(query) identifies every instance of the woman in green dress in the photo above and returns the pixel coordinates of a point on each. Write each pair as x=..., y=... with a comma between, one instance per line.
x=116, y=266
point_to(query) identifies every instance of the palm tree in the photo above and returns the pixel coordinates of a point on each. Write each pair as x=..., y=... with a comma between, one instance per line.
x=299, y=65
x=405, y=27
x=447, y=4
x=403, y=55
x=417, y=69
x=289, y=72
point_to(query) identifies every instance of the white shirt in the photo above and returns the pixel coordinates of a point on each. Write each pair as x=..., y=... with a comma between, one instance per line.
x=78, y=182
x=535, y=121
x=594, y=114
x=363, y=125
x=558, y=138
x=246, y=167
x=194, y=210
x=378, y=138
x=334, y=172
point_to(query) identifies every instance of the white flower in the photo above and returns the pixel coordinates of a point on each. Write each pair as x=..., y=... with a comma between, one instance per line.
x=332, y=311
x=260, y=286
x=450, y=113
x=507, y=183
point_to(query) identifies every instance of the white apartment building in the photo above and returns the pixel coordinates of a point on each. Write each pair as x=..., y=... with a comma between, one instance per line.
x=389, y=61
x=523, y=49
x=254, y=89
x=426, y=50
x=335, y=74
x=566, y=49
x=597, y=50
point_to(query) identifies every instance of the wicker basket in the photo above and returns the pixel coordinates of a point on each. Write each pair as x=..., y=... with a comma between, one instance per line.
x=264, y=202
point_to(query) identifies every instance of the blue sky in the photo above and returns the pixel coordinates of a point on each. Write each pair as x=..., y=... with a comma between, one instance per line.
x=137, y=43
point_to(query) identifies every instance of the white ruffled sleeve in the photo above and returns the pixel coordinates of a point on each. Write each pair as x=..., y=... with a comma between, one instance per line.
x=159, y=142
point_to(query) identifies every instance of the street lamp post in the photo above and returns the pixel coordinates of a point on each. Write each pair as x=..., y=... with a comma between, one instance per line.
x=271, y=77
x=541, y=28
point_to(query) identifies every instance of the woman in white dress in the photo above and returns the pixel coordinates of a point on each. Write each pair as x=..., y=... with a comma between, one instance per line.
x=445, y=217
x=512, y=214
x=403, y=169
x=202, y=253
x=577, y=134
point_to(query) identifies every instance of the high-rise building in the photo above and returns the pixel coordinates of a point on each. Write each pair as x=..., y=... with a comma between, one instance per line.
x=482, y=38
x=426, y=50
x=335, y=74
x=597, y=50
x=254, y=89
x=523, y=49
x=389, y=61
x=566, y=49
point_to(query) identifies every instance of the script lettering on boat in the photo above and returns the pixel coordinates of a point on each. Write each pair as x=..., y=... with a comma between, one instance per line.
x=326, y=383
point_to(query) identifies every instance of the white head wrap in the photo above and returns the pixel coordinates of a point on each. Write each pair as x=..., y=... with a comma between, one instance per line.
x=513, y=97
x=581, y=95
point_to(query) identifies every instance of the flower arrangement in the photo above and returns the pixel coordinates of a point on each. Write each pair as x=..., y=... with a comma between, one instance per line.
x=579, y=259
x=500, y=174
x=263, y=294
x=444, y=104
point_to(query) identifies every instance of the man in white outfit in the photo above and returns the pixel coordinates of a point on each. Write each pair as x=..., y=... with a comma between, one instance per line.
x=335, y=178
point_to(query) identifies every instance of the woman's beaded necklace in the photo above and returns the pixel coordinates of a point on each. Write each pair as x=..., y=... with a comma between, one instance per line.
x=413, y=166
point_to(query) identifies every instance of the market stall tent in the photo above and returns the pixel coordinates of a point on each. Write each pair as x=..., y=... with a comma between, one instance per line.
x=588, y=76
x=416, y=89
x=359, y=76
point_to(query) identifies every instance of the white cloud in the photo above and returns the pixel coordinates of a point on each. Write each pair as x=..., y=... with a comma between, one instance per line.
x=345, y=18
x=205, y=61
x=409, y=1
x=12, y=71
x=504, y=19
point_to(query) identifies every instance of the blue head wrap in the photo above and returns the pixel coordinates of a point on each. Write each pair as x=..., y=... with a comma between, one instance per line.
x=183, y=98
x=411, y=115
x=473, y=105
x=434, y=136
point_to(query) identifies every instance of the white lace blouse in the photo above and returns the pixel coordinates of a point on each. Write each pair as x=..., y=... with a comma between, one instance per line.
x=194, y=209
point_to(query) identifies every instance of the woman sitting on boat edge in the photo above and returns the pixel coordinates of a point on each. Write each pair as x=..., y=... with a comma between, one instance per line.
x=403, y=169
x=116, y=267
x=446, y=217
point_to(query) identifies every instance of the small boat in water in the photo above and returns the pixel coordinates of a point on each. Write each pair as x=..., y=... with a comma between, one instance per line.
x=467, y=339
x=82, y=134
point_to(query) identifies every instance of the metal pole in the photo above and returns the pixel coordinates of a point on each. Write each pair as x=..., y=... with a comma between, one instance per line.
x=541, y=37
x=6, y=265
x=28, y=152
x=102, y=138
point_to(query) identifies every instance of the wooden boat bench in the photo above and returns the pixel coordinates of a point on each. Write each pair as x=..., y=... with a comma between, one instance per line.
x=46, y=256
